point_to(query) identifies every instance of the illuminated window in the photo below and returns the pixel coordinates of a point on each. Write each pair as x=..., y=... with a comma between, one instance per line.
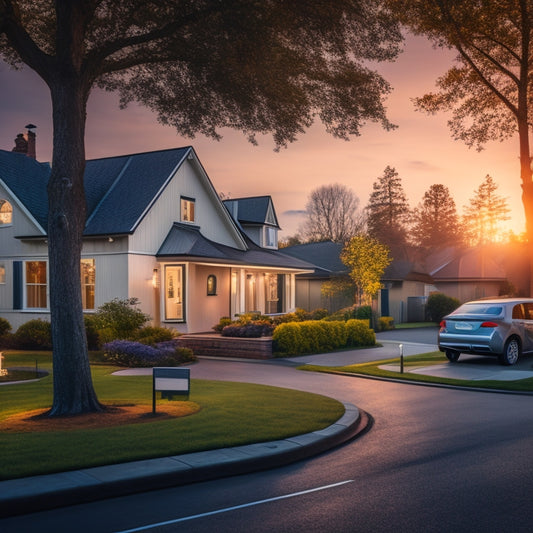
x=36, y=285
x=174, y=293
x=87, y=283
x=6, y=212
x=187, y=209
x=2, y=273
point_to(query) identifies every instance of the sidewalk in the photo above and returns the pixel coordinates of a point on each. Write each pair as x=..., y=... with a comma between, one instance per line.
x=30, y=494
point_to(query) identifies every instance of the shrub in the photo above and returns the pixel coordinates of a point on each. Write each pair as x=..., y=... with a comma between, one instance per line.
x=34, y=335
x=365, y=311
x=5, y=327
x=135, y=354
x=314, y=336
x=359, y=334
x=91, y=331
x=439, y=305
x=247, y=330
x=385, y=323
x=287, y=338
x=222, y=323
x=152, y=335
x=119, y=319
x=319, y=314
x=246, y=325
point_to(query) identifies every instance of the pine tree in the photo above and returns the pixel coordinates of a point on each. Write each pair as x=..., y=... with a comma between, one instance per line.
x=435, y=220
x=486, y=211
x=388, y=210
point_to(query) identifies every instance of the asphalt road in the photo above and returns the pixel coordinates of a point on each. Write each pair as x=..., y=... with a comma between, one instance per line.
x=435, y=460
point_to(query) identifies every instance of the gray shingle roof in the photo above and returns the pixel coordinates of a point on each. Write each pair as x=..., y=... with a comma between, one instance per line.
x=15, y=171
x=324, y=255
x=253, y=210
x=186, y=241
x=118, y=189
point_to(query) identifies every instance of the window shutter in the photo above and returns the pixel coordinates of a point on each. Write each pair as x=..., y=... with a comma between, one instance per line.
x=17, y=284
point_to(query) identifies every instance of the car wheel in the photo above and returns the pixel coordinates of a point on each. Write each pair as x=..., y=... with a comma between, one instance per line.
x=511, y=352
x=452, y=356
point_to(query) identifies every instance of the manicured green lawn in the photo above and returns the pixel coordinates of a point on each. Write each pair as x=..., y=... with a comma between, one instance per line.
x=432, y=358
x=231, y=414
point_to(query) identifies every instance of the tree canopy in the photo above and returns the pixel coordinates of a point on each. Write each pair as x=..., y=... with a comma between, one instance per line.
x=367, y=259
x=486, y=211
x=387, y=209
x=272, y=66
x=435, y=220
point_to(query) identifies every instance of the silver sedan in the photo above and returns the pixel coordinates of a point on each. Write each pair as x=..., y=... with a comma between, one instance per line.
x=500, y=327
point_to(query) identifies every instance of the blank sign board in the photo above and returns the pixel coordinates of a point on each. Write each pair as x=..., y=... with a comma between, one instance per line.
x=170, y=382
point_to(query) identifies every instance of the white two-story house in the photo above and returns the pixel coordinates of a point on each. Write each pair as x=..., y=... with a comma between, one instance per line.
x=156, y=230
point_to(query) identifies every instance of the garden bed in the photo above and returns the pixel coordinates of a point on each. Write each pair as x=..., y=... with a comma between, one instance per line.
x=216, y=345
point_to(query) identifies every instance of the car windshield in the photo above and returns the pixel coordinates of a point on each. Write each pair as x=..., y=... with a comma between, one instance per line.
x=479, y=309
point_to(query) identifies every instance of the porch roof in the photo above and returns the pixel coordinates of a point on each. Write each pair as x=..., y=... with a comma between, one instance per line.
x=185, y=241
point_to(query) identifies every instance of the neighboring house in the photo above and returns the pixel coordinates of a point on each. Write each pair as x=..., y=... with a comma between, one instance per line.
x=468, y=274
x=404, y=283
x=409, y=279
x=156, y=230
x=406, y=286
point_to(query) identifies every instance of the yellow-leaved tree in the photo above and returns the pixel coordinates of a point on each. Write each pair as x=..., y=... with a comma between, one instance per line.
x=367, y=260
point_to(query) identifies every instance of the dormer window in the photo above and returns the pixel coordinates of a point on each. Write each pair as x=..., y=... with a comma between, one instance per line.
x=6, y=212
x=271, y=238
x=187, y=209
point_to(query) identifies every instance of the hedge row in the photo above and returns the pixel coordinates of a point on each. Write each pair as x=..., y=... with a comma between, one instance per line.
x=317, y=336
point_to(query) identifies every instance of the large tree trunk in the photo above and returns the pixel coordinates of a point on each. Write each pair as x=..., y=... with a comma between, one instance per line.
x=73, y=388
x=526, y=181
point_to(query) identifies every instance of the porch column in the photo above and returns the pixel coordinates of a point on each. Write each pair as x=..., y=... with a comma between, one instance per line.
x=242, y=292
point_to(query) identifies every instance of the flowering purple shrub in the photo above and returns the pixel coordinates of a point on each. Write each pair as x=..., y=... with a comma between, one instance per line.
x=248, y=330
x=136, y=354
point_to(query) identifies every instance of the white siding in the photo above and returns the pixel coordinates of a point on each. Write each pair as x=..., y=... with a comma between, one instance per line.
x=210, y=215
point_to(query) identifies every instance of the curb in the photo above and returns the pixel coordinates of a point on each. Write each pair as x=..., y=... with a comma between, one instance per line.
x=37, y=493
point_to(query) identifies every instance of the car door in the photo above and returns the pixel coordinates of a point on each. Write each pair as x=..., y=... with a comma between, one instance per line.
x=528, y=327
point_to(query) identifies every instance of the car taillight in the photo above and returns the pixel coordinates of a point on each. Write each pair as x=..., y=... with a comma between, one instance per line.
x=489, y=325
x=443, y=324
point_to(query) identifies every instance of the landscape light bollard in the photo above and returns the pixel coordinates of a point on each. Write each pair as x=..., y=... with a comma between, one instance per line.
x=401, y=358
x=3, y=371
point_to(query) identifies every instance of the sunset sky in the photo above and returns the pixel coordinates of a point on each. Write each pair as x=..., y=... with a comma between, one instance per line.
x=421, y=149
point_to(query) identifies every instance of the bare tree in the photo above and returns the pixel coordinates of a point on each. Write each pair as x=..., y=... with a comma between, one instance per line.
x=201, y=65
x=332, y=214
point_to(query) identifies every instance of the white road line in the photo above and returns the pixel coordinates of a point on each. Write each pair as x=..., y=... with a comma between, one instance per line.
x=227, y=509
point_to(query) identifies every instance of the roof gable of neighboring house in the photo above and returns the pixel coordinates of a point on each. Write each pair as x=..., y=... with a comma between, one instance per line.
x=253, y=210
x=474, y=264
x=324, y=255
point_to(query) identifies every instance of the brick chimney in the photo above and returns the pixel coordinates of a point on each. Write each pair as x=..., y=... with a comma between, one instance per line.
x=25, y=144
